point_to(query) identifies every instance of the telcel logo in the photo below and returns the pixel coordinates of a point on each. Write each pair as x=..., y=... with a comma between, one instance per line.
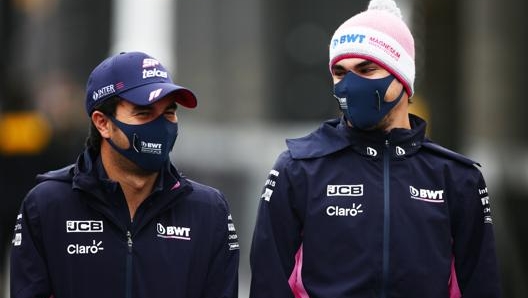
x=152, y=73
x=84, y=226
x=344, y=190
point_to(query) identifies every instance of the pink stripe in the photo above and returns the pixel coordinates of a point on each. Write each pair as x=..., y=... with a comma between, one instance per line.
x=295, y=279
x=454, y=290
x=177, y=185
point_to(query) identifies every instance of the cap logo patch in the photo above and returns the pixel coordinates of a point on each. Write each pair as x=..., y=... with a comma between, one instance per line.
x=153, y=73
x=154, y=94
x=149, y=62
x=120, y=85
x=102, y=92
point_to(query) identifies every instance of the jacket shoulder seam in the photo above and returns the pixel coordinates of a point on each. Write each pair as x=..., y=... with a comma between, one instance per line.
x=447, y=153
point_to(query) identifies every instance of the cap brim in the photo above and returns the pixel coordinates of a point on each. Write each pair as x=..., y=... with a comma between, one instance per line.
x=150, y=93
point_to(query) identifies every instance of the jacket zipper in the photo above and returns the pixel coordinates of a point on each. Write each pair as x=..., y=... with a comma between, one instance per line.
x=386, y=218
x=128, y=289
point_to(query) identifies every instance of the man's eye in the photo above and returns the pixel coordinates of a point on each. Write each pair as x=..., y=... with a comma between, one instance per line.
x=367, y=70
x=142, y=113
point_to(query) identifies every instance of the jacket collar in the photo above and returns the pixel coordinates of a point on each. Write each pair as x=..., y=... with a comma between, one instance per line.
x=334, y=135
x=89, y=175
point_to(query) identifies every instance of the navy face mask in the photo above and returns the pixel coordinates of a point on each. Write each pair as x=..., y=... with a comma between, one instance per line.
x=362, y=100
x=150, y=143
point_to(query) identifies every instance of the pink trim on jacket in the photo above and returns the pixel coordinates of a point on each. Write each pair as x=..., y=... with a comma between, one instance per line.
x=295, y=279
x=454, y=290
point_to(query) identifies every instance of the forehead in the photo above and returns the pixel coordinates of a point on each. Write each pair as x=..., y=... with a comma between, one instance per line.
x=350, y=63
x=163, y=102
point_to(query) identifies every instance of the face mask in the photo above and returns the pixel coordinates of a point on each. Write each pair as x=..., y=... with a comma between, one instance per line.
x=362, y=100
x=150, y=143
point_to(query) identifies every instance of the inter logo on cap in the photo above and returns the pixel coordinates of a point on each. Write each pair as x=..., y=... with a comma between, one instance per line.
x=102, y=92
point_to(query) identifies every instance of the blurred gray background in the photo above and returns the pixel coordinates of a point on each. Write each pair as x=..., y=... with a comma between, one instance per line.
x=259, y=69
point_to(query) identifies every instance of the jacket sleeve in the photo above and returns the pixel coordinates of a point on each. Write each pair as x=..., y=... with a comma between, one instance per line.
x=222, y=278
x=277, y=235
x=473, y=241
x=29, y=277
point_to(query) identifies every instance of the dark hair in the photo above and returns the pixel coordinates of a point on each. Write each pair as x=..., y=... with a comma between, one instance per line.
x=107, y=107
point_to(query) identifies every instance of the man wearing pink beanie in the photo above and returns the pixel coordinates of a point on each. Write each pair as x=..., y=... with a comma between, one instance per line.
x=366, y=205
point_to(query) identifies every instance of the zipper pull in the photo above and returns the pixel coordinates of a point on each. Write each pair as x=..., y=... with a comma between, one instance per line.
x=129, y=241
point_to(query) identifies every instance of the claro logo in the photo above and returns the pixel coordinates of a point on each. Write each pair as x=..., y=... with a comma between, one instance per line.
x=79, y=249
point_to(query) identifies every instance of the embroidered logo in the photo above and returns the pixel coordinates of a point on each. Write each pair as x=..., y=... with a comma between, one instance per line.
x=173, y=232
x=84, y=226
x=269, y=185
x=427, y=195
x=344, y=190
x=341, y=211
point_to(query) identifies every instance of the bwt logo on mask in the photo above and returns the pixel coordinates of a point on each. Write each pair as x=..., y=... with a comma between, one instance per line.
x=152, y=148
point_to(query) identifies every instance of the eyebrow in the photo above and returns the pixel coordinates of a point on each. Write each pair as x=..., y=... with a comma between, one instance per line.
x=337, y=67
x=136, y=108
x=362, y=64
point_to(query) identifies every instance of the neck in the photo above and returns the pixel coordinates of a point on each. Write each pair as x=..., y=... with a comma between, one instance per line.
x=399, y=120
x=136, y=184
x=398, y=117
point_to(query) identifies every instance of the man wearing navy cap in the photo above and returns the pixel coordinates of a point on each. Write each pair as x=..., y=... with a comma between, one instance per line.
x=122, y=221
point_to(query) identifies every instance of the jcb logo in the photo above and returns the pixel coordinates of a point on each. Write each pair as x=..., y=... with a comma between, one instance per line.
x=84, y=226
x=344, y=190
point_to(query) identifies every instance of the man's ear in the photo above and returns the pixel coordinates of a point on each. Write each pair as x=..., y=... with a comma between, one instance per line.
x=102, y=123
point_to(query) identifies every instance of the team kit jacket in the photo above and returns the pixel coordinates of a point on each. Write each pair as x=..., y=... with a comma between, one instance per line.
x=74, y=238
x=346, y=213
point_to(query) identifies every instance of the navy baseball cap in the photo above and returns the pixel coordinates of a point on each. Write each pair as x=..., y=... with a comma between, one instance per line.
x=135, y=77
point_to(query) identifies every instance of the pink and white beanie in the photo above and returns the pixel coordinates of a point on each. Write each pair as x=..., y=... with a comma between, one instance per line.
x=379, y=35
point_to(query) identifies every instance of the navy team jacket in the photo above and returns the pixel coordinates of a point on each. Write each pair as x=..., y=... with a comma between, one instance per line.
x=73, y=238
x=346, y=213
